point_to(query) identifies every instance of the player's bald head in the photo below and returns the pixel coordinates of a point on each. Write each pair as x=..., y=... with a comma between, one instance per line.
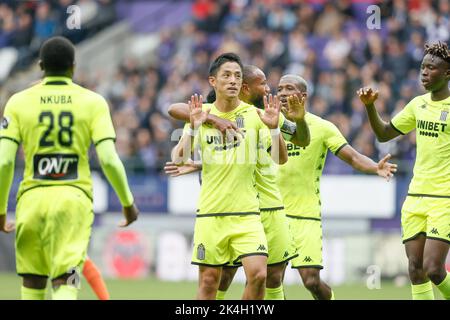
x=254, y=86
x=296, y=80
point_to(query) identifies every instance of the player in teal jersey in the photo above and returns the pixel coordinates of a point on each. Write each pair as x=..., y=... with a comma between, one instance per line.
x=56, y=121
x=253, y=90
x=299, y=183
x=426, y=210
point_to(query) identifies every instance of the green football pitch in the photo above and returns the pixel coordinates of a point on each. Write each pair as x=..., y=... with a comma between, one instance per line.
x=153, y=289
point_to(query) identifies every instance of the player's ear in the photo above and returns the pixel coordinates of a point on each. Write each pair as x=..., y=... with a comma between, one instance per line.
x=212, y=81
x=41, y=65
x=245, y=88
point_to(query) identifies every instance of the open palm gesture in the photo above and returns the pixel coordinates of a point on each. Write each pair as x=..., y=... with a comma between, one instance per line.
x=296, y=108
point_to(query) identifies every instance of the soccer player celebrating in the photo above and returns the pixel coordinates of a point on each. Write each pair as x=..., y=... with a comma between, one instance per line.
x=299, y=183
x=56, y=121
x=228, y=224
x=273, y=217
x=425, y=212
x=253, y=91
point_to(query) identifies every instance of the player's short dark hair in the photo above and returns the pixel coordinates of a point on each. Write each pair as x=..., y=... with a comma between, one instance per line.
x=438, y=49
x=223, y=58
x=57, y=55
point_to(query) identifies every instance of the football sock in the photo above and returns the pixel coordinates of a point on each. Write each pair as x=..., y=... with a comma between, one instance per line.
x=274, y=293
x=32, y=294
x=332, y=296
x=444, y=287
x=220, y=295
x=65, y=292
x=422, y=291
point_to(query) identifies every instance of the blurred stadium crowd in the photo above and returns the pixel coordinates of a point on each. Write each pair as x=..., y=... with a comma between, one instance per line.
x=326, y=42
x=25, y=25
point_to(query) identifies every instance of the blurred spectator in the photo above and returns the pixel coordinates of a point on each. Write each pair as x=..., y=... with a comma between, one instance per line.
x=25, y=25
x=22, y=39
x=329, y=20
x=337, y=49
x=147, y=150
x=281, y=19
x=105, y=15
x=7, y=26
x=44, y=25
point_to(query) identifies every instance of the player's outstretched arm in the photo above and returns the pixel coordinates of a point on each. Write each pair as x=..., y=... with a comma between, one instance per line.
x=364, y=164
x=115, y=173
x=182, y=151
x=8, y=150
x=383, y=130
x=296, y=112
x=179, y=111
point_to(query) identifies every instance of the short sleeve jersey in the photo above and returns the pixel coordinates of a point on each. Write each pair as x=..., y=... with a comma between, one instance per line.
x=56, y=121
x=266, y=170
x=299, y=178
x=432, y=166
x=228, y=168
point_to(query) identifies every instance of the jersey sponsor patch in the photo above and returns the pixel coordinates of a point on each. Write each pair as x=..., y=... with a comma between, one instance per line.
x=55, y=167
x=5, y=123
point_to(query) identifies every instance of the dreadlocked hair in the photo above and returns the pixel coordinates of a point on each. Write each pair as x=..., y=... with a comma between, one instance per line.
x=438, y=49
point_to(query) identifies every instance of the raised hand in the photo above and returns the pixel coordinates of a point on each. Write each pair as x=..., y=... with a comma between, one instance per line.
x=386, y=169
x=173, y=170
x=367, y=95
x=131, y=214
x=196, y=115
x=296, y=108
x=271, y=114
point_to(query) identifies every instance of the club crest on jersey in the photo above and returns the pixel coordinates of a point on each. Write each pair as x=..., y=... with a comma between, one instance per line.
x=5, y=123
x=55, y=166
x=240, y=121
x=444, y=114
